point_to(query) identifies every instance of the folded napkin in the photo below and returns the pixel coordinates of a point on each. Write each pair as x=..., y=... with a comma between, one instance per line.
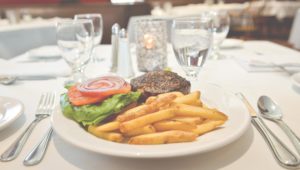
x=56, y=69
x=45, y=52
x=262, y=66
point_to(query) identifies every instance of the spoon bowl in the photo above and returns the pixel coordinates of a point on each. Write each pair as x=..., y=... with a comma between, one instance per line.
x=270, y=110
x=7, y=80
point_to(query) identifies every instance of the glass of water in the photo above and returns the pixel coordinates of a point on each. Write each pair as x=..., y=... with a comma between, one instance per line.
x=191, y=39
x=98, y=32
x=221, y=23
x=75, y=41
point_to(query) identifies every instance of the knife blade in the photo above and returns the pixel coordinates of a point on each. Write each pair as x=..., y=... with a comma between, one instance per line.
x=27, y=77
x=283, y=155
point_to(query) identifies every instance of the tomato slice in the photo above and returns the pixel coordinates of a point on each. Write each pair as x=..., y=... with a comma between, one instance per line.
x=78, y=99
x=104, y=86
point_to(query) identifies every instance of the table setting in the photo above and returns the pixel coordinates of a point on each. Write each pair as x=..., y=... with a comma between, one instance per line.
x=199, y=101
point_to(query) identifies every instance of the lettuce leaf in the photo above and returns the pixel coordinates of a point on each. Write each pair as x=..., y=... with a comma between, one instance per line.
x=94, y=113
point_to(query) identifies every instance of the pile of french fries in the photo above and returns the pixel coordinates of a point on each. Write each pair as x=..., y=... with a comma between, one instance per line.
x=167, y=118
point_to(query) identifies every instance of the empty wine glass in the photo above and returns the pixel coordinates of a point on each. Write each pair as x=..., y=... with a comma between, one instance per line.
x=98, y=32
x=75, y=41
x=221, y=23
x=191, y=39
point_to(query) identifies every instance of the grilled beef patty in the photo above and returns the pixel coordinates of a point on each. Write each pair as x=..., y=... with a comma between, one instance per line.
x=158, y=82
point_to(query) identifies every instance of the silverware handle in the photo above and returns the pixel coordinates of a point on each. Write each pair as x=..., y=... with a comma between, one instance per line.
x=284, y=69
x=37, y=154
x=293, y=137
x=284, y=156
x=13, y=151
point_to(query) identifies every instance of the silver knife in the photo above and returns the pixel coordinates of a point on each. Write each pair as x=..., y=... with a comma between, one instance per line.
x=9, y=79
x=255, y=63
x=283, y=155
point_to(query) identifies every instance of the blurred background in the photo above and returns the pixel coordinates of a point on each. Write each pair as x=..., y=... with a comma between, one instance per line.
x=262, y=20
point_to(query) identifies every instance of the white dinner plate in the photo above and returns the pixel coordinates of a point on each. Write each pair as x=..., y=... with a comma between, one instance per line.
x=212, y=95
x=10, y=110
x=296, y=79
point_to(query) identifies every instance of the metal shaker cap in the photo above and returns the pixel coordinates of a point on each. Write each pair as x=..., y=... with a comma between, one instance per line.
x=123, y=33
x=115, y=29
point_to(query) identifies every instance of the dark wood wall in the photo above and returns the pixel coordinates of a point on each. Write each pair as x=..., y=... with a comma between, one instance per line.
x=111, y=13
x=265, y=27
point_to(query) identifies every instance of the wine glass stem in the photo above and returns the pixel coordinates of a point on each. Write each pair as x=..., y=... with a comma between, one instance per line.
x=78, y=74
x=192, y=75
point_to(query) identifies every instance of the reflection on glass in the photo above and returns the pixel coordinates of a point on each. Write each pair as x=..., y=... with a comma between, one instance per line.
x=75, y=40
x=98, y=31
x=221, y=23
x=191, y=39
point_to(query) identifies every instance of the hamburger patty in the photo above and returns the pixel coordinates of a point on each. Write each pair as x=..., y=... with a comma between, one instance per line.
x=157, y=82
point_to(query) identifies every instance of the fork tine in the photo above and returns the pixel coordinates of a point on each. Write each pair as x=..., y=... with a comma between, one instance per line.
x=48, y=103
x=51, y=103
x=40, y=105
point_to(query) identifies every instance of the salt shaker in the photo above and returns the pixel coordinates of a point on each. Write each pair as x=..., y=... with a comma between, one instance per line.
x=124, y=68
x=115, y=29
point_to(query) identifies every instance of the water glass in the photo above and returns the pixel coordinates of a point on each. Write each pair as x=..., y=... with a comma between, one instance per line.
x=75, y=41
x=221, y=23
x=191, y=39
x=98, y=31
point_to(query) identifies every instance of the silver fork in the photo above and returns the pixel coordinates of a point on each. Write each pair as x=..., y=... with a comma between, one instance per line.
x=45, y=108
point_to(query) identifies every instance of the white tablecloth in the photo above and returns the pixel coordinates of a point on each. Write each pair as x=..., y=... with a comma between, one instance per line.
x=248, y=152
x=294, y=38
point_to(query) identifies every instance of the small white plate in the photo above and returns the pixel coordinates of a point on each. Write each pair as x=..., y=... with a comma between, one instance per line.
x=232, y=43
x=296, y=79
x=45, y=52
x=10, y=110
x=212, y=95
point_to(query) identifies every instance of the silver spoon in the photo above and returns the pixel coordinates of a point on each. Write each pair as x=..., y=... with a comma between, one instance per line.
x=271, y=111
x=7, y=80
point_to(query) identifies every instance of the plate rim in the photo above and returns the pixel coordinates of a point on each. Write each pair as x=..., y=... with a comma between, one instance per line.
x=16, y=116
x=231, y=138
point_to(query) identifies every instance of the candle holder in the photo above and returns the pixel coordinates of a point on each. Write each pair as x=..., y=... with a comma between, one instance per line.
x=151, y=44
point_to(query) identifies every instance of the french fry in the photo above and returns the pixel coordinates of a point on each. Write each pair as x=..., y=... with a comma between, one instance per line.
x=189, y=98
x=167, y=125
x=163, y=100
x=107, y=127
x=208, y=126
x=140, y=131
x=133, y=113
x=197, y=103
x=146, y=120
x=152, y=99
x=176, y=93
x=193, y=120
x=111, y=136
x=147, y=108
x=188, y=110
x=173, y=136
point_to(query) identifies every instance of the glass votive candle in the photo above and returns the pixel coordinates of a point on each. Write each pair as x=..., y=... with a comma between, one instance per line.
x=151, y=44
